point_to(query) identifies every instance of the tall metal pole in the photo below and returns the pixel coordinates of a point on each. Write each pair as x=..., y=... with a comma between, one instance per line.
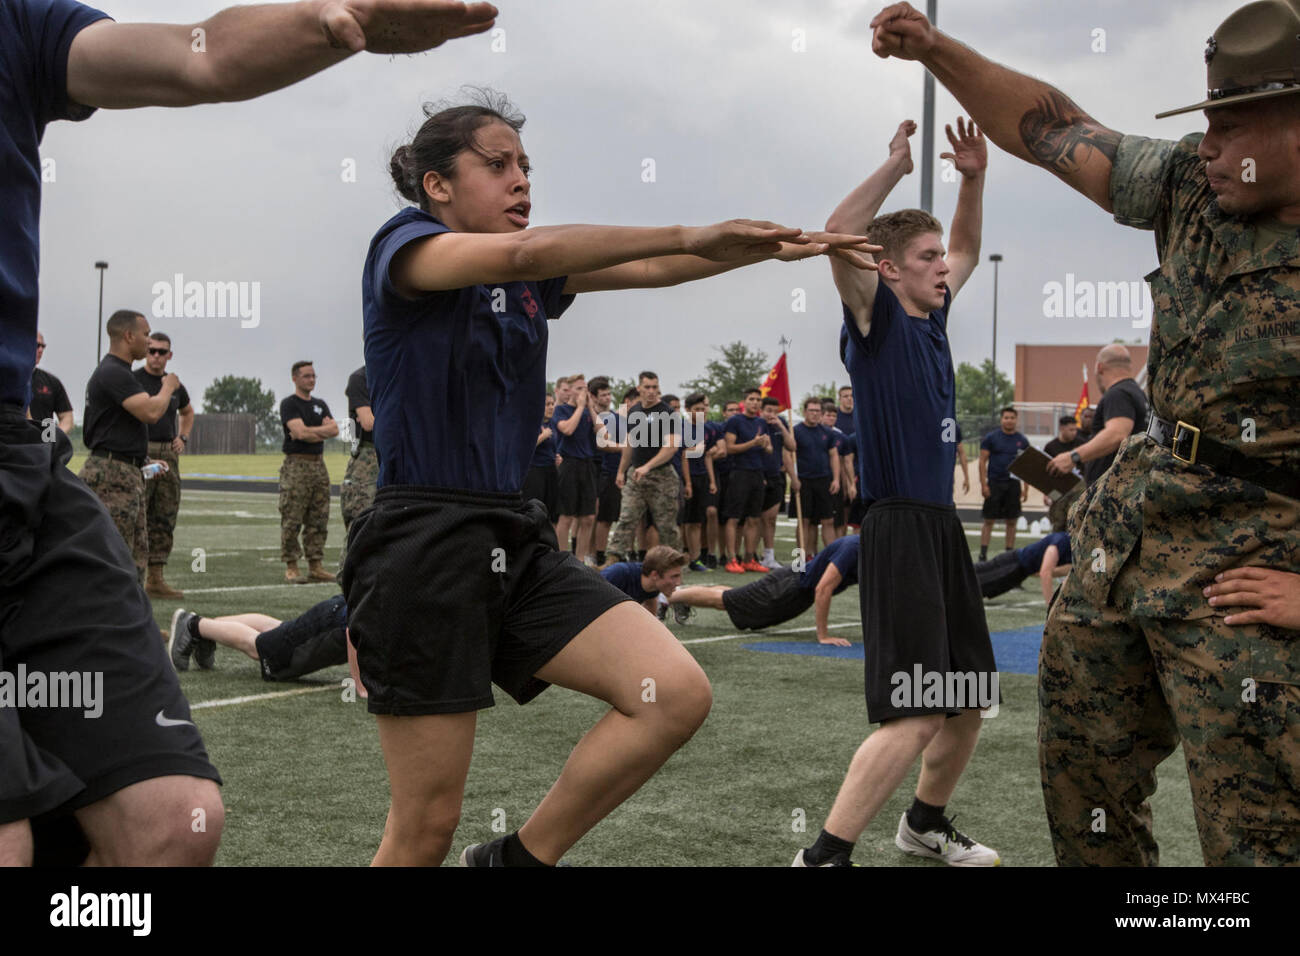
x=99, y=341
x=927, y=126
x=995, y=258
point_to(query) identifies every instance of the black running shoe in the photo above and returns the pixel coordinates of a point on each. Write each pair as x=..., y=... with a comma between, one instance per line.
x=484, y=854
x=180, y=645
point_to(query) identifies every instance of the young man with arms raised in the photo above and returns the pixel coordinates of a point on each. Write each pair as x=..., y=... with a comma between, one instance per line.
x=921, y=604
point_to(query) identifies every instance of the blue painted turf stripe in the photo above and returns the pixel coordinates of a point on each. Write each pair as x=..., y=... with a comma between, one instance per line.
x=1016, y=652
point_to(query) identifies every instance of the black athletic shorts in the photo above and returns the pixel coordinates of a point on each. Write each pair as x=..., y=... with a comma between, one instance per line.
x=839, y=508
x=1000, y=574
x=71, y=610
x=309, y=642
x=773, y=490
x=609, y=498
x=773, y=599
x=577, y=486
x=452, y=591
x=543, y=483
x=815, y=495
x=1003, y=500
x=922, y=613
x=744, y=495
x=700, y=501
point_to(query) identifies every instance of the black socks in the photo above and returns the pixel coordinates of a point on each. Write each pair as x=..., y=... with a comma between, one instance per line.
x=514, y=853
x=922, y=817
x=826, y=848
x=193, y=625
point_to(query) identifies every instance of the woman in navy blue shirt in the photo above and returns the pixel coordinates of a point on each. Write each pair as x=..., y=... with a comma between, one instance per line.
x=453, y=580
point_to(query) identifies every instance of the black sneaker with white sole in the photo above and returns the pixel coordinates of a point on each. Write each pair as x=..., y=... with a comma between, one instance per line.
x=484, y=854
x=682, y=613
x=181, y=644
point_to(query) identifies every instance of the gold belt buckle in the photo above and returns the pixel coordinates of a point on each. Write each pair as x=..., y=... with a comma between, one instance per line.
x=1196, y=441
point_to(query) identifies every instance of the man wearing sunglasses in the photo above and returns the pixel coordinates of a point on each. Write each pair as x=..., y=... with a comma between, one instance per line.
x=119, y=412
x=49, y=397
x=167, y=437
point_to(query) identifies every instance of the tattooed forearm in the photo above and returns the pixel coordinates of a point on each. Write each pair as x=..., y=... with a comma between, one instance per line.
x=1061, y=137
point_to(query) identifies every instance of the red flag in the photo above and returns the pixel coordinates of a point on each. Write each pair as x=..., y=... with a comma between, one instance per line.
x=1083, y=399
x=777, y=384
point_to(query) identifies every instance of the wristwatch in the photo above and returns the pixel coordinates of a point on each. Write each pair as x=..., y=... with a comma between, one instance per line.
x=1074, y=457
x=184, y=438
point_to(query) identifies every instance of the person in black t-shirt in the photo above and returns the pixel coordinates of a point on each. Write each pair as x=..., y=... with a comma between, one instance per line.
x=361, y=478
x=167, y=437
x=1122, y=412
x=118, y=413
x=1067, y=437
x=49, y=398
x=645, y=474
x=542, y=480
x=304, y=479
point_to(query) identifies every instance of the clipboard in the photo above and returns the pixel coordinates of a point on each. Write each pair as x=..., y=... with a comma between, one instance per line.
x=1031, y=466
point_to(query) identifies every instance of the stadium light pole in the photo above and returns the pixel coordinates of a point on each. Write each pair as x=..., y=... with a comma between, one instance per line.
x=927, y=125
x=995, y=258
x=99, y=340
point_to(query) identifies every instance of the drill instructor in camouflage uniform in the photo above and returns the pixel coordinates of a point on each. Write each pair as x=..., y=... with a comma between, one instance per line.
x=646, y=474
x=167, y=437
x=118, y=411
x=362, y=475
x=304, y=479
x=1135, y=660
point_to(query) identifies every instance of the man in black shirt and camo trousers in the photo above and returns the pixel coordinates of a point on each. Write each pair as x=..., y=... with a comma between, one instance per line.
x=304, y=479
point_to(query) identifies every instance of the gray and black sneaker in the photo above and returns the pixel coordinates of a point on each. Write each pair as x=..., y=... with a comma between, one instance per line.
x=682, y=613
x=205, y=653
x=483, y=854
x=180, y=645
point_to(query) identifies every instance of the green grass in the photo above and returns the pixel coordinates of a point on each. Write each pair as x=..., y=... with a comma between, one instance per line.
x=263, y=466
x=305, y=782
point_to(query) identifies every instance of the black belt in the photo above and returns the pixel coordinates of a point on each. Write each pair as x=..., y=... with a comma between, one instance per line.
x=137, y=460
x=1186, y=443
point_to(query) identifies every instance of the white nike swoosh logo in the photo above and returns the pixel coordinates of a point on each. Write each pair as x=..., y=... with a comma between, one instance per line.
x=162, y=721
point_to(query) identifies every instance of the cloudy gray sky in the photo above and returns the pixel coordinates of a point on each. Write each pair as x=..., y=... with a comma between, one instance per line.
x=738, y=123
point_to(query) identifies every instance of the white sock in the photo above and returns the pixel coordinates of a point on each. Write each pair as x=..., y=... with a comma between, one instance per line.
x=768, y=555
x=662, y=599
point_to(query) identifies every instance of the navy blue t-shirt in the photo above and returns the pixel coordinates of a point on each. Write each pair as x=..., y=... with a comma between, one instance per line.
x=1002, y=449
x=903, y=392
x=724, y=464
x=844, y=422
x=746, y=429
x=774, y=461
x=544, y=453
x=813, y=444
x=626, y=576
x=615, y=434
x=843, y=553
x=1031, y=556
x=457, y=388
x=35, y=36
x=582, y=443
x=712, y=435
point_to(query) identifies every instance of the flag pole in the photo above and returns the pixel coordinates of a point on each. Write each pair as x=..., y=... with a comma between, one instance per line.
x=798, y=499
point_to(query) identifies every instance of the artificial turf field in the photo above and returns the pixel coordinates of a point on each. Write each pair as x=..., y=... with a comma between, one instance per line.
x=305, y=782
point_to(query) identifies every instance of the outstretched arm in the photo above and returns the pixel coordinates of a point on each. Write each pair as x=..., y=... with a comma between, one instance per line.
x=1024, y=116
x=971, y=158
x=826, y=586
x=244, y=52
x=857, y=288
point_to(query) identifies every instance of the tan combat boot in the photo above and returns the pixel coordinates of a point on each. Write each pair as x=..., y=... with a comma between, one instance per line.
x=316, y=572
x=292, y=574
x=155, y=586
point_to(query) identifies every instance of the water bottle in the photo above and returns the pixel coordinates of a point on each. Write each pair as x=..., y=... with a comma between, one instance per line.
x=153, y=470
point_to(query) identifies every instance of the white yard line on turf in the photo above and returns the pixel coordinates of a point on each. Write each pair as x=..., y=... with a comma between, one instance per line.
x=255, y=587
x=252, y=697
x=789, y=630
